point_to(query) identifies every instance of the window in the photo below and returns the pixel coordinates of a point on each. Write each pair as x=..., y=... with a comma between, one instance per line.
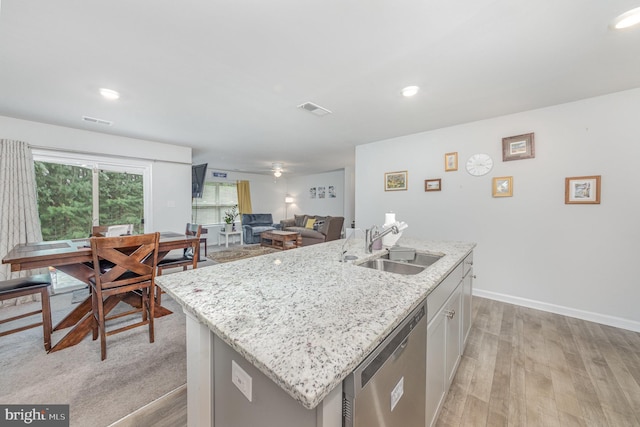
x=77, y=191
x=216, y=199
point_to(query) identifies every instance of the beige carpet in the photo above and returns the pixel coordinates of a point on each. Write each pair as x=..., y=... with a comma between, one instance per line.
x=240, y=252
x=134, y=374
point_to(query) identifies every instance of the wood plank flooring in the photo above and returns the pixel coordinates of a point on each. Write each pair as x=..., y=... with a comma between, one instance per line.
x=521, y=367
x=524, y=367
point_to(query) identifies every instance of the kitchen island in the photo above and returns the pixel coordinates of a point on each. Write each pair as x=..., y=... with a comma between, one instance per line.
x=302, y=318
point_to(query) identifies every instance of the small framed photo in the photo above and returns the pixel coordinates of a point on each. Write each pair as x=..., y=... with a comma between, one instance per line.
x=503, y=186
x=395, y=181
x=451, y=162
x=518, y=147
x=582, y=190
x=432, y=184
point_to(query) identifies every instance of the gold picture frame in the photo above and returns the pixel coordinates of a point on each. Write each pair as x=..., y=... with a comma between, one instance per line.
x=518, y=147
x=582, y=190
x=433, y=184
x=395, y=181
x=451, y=162
x=503, y=186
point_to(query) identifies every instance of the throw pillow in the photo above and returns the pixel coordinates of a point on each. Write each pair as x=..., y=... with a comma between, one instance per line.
x=310, y=222
x=319, y=223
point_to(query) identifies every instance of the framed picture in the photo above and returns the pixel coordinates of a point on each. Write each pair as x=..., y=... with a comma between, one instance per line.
x=451, y=162
x=332, y=191
x=321, y=192
x=395, y=181
x=518, y=147
x=582, y=190
x=503, y=186
x=312, y=192
x=432, y=184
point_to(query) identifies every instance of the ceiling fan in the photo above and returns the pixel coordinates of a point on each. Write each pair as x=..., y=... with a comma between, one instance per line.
x=276, y=168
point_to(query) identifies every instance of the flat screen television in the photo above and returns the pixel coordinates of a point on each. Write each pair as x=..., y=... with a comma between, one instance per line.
x=198, y=174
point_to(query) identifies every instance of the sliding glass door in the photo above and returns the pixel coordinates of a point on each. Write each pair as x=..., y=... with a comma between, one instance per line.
x=78, y=192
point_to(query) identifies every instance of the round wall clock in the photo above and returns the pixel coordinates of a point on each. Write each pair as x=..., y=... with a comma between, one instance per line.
x=479, y=164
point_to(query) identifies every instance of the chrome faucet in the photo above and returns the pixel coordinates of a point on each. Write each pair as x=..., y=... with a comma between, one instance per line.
x=369, y=237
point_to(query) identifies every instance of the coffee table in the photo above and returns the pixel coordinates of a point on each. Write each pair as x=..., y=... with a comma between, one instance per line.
x=282, y=240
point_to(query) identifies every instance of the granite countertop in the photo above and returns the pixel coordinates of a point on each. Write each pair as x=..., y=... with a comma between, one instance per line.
x=302, y=317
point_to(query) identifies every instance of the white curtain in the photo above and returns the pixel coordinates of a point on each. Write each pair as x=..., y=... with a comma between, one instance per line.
x=19, y=220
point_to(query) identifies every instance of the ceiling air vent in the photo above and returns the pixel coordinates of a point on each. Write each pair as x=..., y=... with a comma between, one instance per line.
x=315, y=109
x=97, y=121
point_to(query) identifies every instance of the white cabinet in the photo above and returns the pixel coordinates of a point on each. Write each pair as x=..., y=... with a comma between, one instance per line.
x=453, y=351
x=467, y=291
x=449, y=314
x=436, y=389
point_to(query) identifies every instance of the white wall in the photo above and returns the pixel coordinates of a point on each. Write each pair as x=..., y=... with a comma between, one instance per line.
x=170, y=169
x=533, y=249
x=267, y=193
x=298, y=188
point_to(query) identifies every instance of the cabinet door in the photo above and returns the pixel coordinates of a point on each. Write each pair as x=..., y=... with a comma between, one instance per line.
x=453, y=350
x=435, y=367
x=467, y=291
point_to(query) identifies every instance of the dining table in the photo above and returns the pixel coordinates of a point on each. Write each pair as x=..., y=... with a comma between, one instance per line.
x=74, y=257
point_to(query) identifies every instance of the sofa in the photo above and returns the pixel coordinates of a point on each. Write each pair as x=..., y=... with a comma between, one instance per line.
x=314, y=228
x=254, y=224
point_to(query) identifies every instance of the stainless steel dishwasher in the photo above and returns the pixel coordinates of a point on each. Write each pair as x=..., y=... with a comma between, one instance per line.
x=388, y=388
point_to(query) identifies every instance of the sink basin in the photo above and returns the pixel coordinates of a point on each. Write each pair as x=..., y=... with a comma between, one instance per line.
x=392, y=266
x=425, y=260
x=414, y=266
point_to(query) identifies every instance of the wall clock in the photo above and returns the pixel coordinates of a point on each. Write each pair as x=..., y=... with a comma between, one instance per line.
x=479, y=164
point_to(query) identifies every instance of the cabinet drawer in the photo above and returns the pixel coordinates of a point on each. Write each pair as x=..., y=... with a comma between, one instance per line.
x=441, y=293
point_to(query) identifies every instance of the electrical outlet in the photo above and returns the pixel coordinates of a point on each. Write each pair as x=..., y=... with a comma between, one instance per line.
x=241, y=379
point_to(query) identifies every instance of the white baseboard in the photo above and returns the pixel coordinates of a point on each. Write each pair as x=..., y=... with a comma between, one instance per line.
x=603, y=319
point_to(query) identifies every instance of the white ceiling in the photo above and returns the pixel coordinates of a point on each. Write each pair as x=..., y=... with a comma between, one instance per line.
x=225, y=77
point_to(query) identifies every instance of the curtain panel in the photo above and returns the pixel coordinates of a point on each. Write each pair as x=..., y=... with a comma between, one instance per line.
x=19, y=219
x=244, y=197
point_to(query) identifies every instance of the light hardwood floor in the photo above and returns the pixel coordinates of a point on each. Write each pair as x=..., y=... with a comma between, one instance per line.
x=524, y=367
x=521, y=367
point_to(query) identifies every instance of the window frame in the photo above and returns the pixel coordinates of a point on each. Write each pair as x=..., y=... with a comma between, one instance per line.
x=217, y=205
x=112, y=164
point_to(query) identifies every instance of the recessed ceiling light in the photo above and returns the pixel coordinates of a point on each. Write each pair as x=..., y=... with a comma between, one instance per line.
x=410, y=90
x=627, y=19
x=109, y=93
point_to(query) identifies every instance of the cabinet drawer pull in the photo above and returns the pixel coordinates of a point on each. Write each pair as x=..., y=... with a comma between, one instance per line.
x=450, y=313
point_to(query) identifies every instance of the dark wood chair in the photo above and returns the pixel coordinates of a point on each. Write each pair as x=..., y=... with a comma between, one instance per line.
x=38, y=284
x=134, y=260
x=189, y=257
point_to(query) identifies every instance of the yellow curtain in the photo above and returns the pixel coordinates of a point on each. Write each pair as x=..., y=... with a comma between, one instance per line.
x=244, y=197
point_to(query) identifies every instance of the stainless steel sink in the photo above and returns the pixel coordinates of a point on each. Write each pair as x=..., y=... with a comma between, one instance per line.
x=392, y=266
x=414, y=266
x=422, y=259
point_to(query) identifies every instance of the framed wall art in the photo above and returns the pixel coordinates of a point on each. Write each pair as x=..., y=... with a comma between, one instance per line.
x=582, y=190
x=451, y=162
x=503, y=186
x=518, y=147
x=432, y=184
x=395, y=181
